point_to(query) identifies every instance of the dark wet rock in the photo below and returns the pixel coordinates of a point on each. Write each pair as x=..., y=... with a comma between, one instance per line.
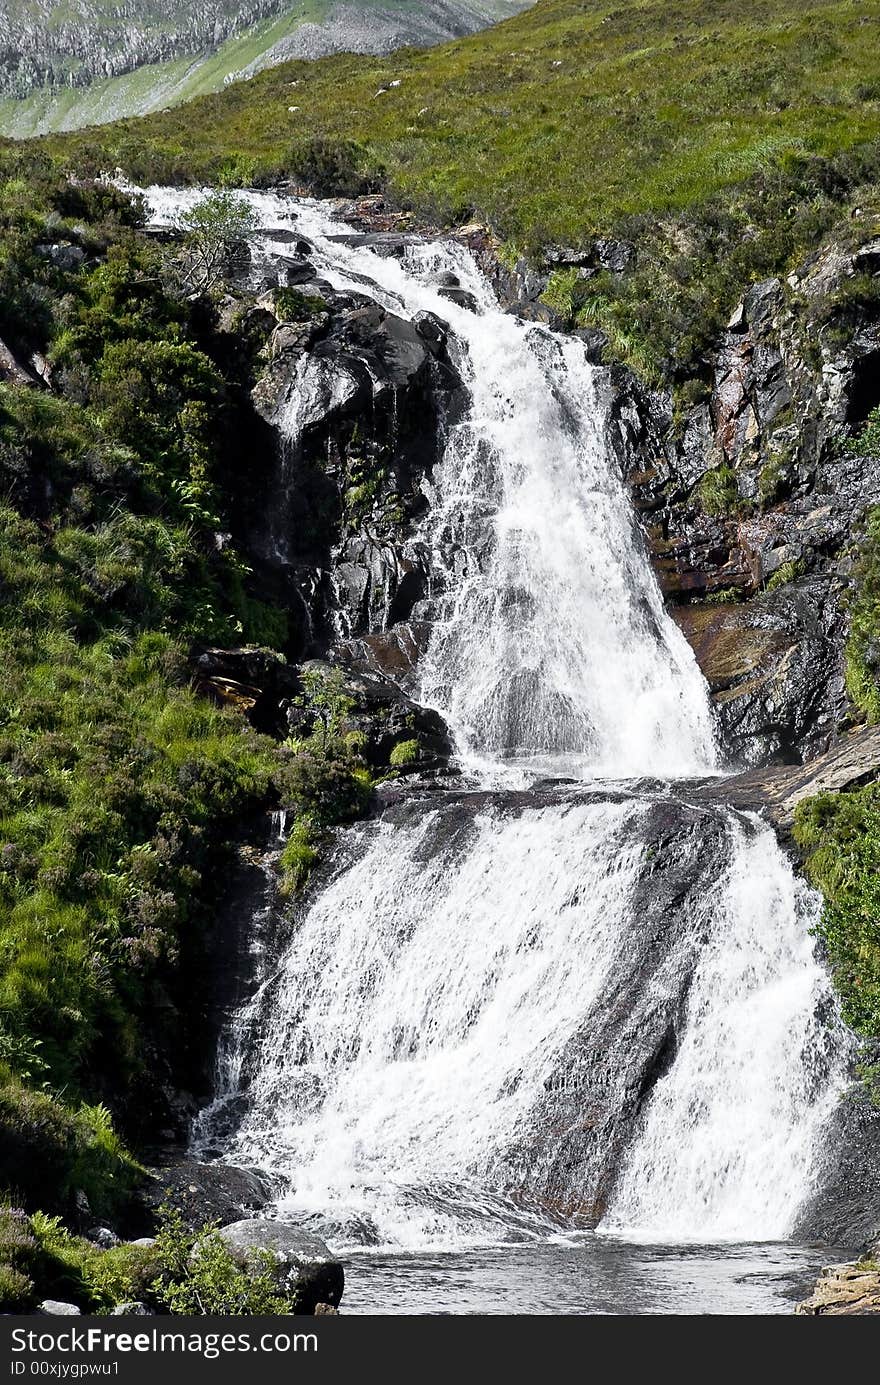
x=293, y=270
x=774, y=666
x=846, y=1209
x=538, y=312
x=460, y=297
x=393, y=653
x=432, y=330
x=595, y=343
x=202, y=1192
x=357, y=407
x=305, y=1268
x=392, y=244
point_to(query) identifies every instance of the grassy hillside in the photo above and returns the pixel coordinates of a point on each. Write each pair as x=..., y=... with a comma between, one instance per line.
x=564, y=119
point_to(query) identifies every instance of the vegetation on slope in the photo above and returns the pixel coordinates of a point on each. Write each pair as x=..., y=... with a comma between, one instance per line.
x=117, y=780
x=720, y=141
x=556, y=124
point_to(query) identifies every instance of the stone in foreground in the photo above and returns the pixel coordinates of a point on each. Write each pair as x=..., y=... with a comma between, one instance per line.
x=845, y=1290
x=306, y=1268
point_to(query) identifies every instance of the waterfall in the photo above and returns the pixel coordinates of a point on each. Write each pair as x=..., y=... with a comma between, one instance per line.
x=515, y=1009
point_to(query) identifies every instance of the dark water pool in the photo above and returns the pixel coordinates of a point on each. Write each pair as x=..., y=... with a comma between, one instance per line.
x=595, y=1275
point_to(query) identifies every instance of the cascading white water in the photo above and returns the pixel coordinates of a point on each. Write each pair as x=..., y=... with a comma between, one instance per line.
x=728, y=1144
x=550, y=639
x=421, y=1009
x=441, y=985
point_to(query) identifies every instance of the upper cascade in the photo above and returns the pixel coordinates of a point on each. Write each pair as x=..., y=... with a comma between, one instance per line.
x=550, y=644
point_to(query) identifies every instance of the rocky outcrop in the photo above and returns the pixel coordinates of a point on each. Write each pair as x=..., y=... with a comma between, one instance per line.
x=304, y=1268
x=774, y=666
x=200, y=1193
x=751, y=499
x=270, y=691
x=846, y=1290
x=358, y=399
x=854, y=760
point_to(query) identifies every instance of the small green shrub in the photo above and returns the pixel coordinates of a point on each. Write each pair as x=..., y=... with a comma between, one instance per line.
x=19, y=1261
x=726, y=596
x=787, y=572
x=867, y=442
x=49, y=1151
x=17, y=1291
x=841, y=834
x=299, y=855
x=404, y=753
x=863, y=644
x=293, y=306
x=76, y=1269
x=198, y=1275
x=717, y=493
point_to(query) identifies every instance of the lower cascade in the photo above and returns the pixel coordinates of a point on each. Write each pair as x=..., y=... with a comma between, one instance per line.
x=496, y=1020
x=553, y=996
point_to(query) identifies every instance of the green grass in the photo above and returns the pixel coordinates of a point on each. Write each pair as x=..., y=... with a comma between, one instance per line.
x=841, y=835
x=566, y=119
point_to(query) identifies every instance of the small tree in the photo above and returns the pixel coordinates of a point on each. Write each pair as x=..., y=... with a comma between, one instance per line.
x=215, y=229
x=325, y=695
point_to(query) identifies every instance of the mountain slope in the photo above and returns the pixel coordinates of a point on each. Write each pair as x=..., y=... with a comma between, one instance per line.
x=66, y=65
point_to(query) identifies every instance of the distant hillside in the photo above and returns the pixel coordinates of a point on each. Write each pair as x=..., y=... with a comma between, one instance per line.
x=63, y=65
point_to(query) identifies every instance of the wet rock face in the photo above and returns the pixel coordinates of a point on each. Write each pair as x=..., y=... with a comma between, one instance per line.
x=751, y=488
x=606, y=1074
x=774, y=666
x=357, y=397
x=846, y=1209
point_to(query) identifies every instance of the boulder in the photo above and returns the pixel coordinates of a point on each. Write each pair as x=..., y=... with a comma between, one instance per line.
x=460, y=297
x=203, y=1192
x=55, y=1308
x=63, y=256
x=132, y=1309
x=306, y=1270
x=384, y=716
x=294, y=270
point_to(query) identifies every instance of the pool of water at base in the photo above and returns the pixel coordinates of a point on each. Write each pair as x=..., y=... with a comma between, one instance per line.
x=596, y=1275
